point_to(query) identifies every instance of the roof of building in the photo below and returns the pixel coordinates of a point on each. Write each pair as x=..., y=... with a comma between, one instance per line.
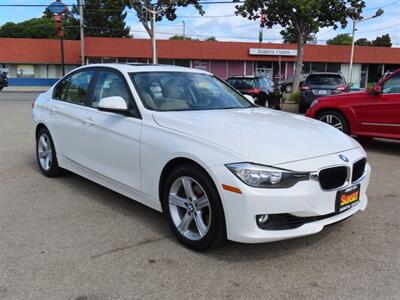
x=48, y=51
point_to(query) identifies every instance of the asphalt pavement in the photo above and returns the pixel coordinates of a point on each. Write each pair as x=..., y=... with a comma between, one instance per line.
x=69, y=238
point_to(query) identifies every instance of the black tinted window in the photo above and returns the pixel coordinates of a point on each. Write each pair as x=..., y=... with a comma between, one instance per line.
x=61, y=89
x=110, y=84
x=78, y=87
x=242, y=83
x=324, y=79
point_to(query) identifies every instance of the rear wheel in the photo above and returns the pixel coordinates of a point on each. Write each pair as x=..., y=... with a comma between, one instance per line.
x=193, y=207
x=335, y=119
x=46, y=154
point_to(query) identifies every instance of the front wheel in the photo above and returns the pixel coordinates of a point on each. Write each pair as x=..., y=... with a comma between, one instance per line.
x=193, y=207
x=335, y=119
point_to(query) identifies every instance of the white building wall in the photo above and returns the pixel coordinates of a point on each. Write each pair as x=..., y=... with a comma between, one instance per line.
x=356, y=73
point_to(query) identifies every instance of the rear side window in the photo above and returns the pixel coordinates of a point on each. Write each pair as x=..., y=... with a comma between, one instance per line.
x=242, y=83
x=324, y=80
x=78, y=87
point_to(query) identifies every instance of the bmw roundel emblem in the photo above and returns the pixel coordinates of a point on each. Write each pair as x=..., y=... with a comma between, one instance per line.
x=344, y=158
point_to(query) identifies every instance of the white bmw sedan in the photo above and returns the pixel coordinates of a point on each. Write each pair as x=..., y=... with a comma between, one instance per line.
x=183, y=142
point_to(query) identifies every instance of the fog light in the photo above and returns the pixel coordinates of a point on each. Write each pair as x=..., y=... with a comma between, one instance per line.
x=261, y=219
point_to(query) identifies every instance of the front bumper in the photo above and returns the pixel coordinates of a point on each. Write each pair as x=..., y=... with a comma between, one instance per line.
x=305, y=199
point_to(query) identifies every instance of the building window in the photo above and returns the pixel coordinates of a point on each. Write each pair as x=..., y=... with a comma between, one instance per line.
x=306, y=68
x=94, y=60
x=164, y=61
x=318, y=67
x=333, y=67
x=182, y=62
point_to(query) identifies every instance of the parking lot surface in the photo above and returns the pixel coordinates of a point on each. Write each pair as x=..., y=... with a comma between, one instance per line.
x=69, y=238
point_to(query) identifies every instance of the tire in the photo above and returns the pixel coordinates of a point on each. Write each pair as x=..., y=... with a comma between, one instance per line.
x=199, y=225
x=46, y=154
x=336, y=119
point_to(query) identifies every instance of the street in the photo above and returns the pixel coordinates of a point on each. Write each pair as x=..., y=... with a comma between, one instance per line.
x=69, y=238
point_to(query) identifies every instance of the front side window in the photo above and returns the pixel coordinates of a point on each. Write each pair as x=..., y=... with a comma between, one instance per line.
x=78, y=87
x=110, y=84
x=392, y=85
x=167, y=91
x=61, y=89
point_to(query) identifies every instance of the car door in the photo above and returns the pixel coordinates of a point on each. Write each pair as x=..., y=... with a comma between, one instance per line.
x=112, y=140
x=66, y=121
x=380, y=114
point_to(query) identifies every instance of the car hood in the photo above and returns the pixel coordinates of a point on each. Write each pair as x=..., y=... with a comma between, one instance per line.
x=260, y=135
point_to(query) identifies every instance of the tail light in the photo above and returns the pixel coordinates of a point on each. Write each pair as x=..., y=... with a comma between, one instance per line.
x=253, y=91
x=341, y=88
x=33, y=104
x=305, y=88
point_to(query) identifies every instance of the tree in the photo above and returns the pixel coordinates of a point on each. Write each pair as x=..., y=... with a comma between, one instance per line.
x=382, y=41
x=104, y=18
x=181, y=37
x=211, y=39
x=363, y=42
x=38, y=28
x=164, y=8
x=290, y=36
x=302, y=16
x=340, y=39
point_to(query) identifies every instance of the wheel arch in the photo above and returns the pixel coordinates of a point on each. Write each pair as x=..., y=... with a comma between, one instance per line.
x=324, y=109
x=173, y=163
x=39, y=127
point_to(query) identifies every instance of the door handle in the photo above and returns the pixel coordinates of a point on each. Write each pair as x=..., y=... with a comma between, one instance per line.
x=54, y=110
x=88, y=121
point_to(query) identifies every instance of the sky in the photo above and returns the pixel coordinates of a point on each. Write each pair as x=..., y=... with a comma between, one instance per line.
x=221, y=22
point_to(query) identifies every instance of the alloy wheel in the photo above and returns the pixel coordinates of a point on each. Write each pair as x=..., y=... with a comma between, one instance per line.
x=189, y=208
x=45, y=152
x=333, y=121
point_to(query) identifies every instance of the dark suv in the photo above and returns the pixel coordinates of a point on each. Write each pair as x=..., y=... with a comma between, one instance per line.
x=260, y=88
x=3, y=80
x=319, y=85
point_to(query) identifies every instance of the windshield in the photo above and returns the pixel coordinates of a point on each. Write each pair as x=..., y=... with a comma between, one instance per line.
x=168, y=91
x=242, y=83
x=324, y=80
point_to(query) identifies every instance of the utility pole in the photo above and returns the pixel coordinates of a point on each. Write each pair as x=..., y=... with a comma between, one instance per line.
x=378, y=13
x=352, y=51
x=82, y=32
x=153, y=36
x=184, y=29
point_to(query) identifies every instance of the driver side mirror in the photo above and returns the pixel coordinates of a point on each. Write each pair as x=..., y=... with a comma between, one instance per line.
x=249, y=98
x=377, y=90
x=115, y=104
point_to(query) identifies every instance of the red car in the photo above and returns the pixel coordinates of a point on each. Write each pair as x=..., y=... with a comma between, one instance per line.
x=371, y=113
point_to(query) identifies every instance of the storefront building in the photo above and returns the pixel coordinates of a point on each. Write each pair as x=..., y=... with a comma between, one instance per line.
x=37, y=62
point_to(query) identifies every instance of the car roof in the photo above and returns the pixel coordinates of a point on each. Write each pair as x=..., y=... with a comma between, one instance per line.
x=139, y=67
x=246, y=77
x=325, y=73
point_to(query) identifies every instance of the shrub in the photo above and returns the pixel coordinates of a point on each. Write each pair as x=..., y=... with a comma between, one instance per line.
x=294, y=97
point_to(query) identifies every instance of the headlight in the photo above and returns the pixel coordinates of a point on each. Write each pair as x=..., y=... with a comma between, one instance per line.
x=313, y=103
x=266, y=177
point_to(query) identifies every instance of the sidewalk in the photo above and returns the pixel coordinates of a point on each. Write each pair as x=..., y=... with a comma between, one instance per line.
x=26, y=89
